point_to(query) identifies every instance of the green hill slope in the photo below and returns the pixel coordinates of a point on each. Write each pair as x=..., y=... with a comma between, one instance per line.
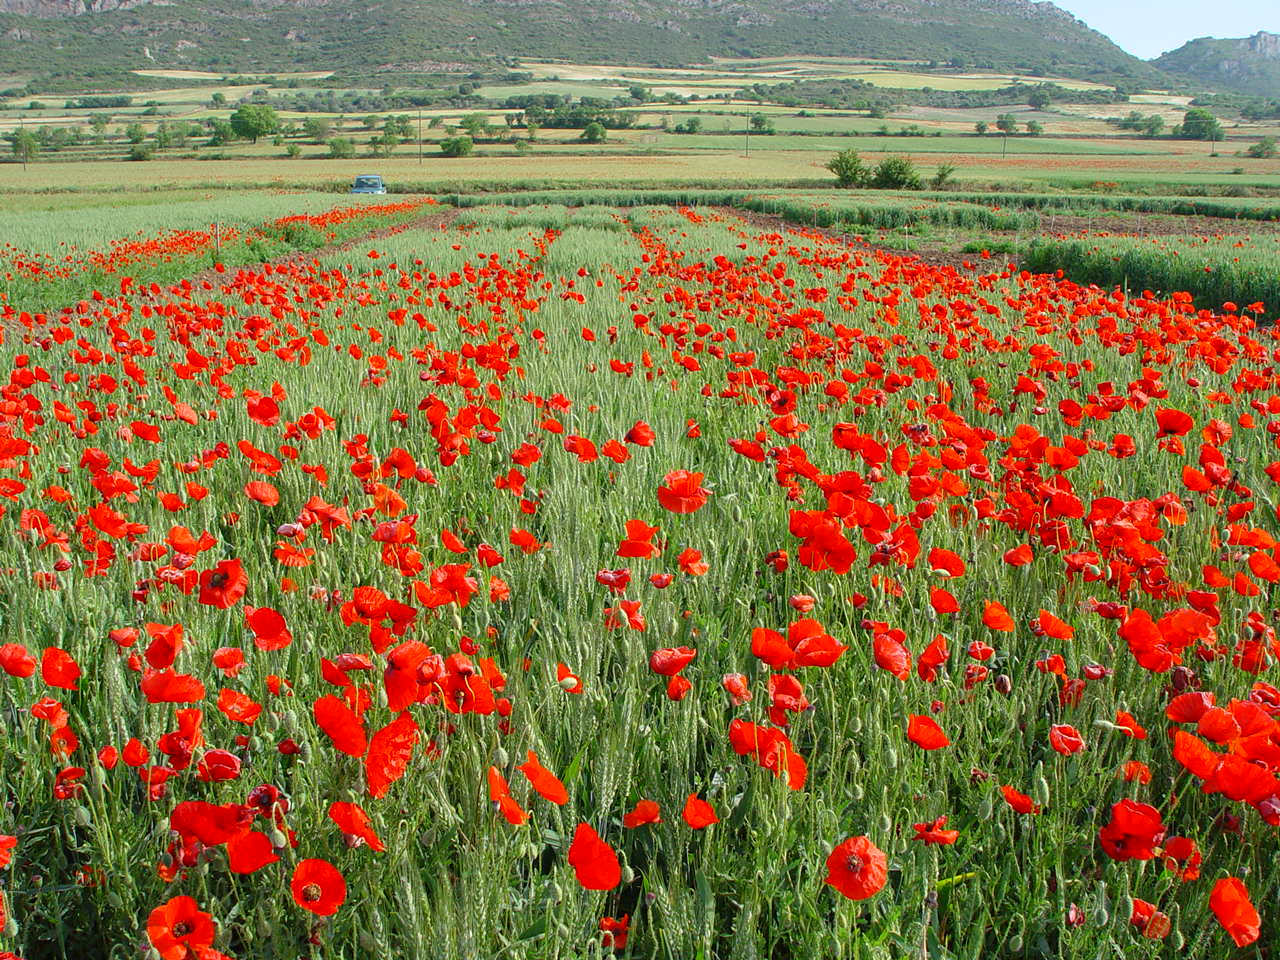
x=48, y=37
x=1248, y=65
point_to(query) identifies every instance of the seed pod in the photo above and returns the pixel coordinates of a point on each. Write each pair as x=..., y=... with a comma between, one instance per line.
x=890, y=758
x=1040, y=785
x=857, y=792
x=500, y=758
x=985, y=806
x=83, y=816
x=855, y=724
x=886, y=825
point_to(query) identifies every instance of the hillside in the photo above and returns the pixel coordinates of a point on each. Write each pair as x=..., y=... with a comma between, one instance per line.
x=1246, y=65
x=86, y=37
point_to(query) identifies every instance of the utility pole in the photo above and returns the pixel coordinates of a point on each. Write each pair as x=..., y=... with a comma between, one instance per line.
x=419, y=134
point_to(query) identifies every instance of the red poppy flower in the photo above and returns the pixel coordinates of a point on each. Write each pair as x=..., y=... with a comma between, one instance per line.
x=342, y=725
x=1230, y=903
x=682, y=492
x=1133, y=833
x=543, y=780
x=179, y=928
x=615, y=932
x=224, y=585
x=857, y=868
x=925, y=733
x=646, y=811
x=671, y=660
x=594, y=862
x=697, y=813
x=353, y=821
x=1065, y=739
x=933, y=833
x=995, y=616
x=249, y=852
x=1020, y=802
x=59, y=669
x=318, y=886
x=390, y=750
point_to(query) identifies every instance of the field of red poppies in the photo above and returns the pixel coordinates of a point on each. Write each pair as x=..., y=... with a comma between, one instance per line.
x=587, y=583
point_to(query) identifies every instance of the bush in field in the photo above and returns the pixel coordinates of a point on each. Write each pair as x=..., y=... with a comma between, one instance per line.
x=593, y=133
x=317, y=129
x=849, y=169
x=341, y=148
x=1264, y=149
x=457, y=146
x=896, y=173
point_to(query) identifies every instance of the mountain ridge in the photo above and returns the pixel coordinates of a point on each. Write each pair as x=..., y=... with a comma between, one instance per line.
x=48, y=36
x=1249, y=65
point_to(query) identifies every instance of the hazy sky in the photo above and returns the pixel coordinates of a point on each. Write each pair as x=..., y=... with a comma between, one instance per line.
x=1148, y=29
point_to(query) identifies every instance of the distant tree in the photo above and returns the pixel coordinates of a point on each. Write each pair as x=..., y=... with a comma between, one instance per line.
x=761, y=124
x=1199, y=124
x=943, y=176
x=140, y=151
x=98, y=123
x=1035, y=128
x=639, y=93
x=220, y=132
x=982, y=127
x=896, y=173
x=25, y=146
x=593, y=132
x=849, y=169
x=1153, y=125
x=383, y=144
x=475, y=125
x=457, y=146
x=254, y=120
x=316, y=129
x=219, y=99
x=532, y=130
x=1264, y=149
x=293, y=151
x=1039, y=98
x=135, y=133
x=164, y=136
x=370, y=121
x=692, y=125
x=1007, y=123
x=341, y=148
x=400, y=125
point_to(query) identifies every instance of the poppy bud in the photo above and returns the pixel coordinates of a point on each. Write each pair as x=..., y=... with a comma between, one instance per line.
x=500, y=758
x=985, y=806
x=1003, y=684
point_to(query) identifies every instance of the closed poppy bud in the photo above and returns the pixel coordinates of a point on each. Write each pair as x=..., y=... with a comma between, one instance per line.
x=1004, y=684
